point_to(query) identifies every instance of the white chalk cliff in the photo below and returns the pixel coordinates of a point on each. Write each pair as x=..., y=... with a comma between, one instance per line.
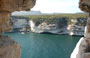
x=53, y=28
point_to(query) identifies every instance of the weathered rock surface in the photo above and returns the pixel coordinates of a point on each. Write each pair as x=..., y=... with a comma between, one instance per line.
x=84, y=46
x=87, y=30
x=82, y=50
x=84, y=5
x=76, y=50
x=5, y=21
x=71, y=29
x=9, y=48
x=46, y=28
x=8, y=6
x=16, y=5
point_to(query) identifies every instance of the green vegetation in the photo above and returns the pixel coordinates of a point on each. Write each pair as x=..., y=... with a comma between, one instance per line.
x=70, y=16
x=54, y=18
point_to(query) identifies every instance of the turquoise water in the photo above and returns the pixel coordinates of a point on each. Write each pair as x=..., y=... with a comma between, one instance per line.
x=45, y=45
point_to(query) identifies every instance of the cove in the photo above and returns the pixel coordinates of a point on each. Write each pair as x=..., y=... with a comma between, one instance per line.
x=45, y=45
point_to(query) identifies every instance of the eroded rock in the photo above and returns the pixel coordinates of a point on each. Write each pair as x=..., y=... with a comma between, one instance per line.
x=8, y=6
x=83, y=48
x=5, y=21
x=87, y=29
x=9, y=48
x=84, y=5
x=16, y=5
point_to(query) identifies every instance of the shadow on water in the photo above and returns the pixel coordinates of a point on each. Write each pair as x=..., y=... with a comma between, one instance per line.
x=45, y=45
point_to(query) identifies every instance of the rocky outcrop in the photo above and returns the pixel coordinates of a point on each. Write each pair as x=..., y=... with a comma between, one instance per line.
x=76, y=50
x=9, y=48
x=8, y=6
x=76, y=30
x=84, y=5
x=58, y=28
x=16, y=5
x=5, y=22
x=83, y=48
x=46, y=28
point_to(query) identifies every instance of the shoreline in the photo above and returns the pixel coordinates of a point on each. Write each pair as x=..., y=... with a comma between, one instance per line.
x=46, y=33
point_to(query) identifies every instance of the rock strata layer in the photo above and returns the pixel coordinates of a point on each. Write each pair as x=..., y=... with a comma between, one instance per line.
x=70, y=29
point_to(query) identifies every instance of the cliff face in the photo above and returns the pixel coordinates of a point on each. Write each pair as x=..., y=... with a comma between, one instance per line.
x=43, y=27
x=62, y=26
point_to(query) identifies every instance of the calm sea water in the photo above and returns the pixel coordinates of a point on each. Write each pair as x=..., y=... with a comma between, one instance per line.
x=45, y=45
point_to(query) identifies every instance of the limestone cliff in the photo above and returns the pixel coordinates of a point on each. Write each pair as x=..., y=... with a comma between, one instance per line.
x=75, y=27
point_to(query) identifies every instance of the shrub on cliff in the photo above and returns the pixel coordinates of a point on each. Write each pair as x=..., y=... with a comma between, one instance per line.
x=60, y=18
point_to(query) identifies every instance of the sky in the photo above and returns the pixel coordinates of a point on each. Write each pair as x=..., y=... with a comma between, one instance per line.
x=57, y=6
